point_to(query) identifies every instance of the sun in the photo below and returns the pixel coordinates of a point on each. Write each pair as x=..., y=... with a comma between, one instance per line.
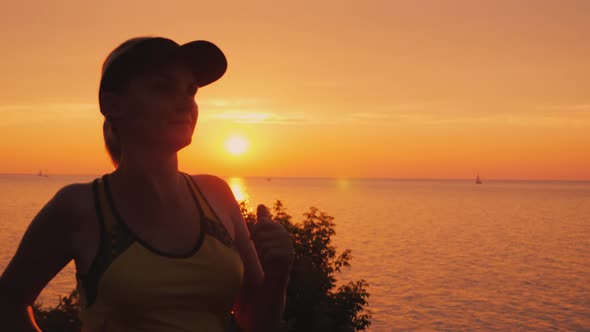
x=236, y=145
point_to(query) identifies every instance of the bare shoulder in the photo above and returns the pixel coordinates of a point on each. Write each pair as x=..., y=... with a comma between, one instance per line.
x=75, y=202
x=221, y=198
x=214, y=185
x=74, y=193
x=63, y=205
x=80, y=218
x=71, y=213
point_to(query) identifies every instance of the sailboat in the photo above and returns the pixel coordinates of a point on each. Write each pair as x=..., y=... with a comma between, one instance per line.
x=478, y=180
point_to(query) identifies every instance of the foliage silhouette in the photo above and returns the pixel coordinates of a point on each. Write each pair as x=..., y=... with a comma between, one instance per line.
x=61, y=318
x=313, y=303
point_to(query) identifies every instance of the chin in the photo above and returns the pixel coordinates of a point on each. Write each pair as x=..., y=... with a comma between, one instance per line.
x=176, y=141
x=181, y=143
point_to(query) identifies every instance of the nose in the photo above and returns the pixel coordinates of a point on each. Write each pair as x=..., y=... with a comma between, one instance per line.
x=186, y=105
x=186, y=109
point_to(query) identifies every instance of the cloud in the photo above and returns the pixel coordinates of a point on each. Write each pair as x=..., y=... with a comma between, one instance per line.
x=257, y=117
x=369, y=115
x=253, y=111
x=243, y=117
x=525, y=121
x=382, y=114
x=69, y=108
x=25, y=114
x=526, y=115
x=535, y=115
x=567, y=107
x=234, y=103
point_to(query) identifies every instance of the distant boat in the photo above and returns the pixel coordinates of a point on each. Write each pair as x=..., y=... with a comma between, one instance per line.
x=42, y=174
x=267, y=179
x=478, y=180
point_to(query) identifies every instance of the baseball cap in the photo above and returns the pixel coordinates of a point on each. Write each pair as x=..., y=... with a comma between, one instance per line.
x=141, y=54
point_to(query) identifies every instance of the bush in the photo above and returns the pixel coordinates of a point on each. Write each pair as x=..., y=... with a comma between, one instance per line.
x=313, y=304
x=61, y=318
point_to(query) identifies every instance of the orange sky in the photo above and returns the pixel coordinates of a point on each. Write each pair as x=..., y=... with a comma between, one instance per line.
x=412, y=89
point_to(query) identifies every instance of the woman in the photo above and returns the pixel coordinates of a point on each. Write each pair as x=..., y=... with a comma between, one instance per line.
x=155, y=248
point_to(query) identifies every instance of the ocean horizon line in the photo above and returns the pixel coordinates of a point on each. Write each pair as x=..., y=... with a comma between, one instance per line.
x=337, y=178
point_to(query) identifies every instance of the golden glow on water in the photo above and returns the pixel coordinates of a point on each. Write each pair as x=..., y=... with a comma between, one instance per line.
x=343, y=183
x=238, y=187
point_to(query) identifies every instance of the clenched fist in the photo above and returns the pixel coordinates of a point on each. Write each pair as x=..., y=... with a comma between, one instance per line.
x=273, y=244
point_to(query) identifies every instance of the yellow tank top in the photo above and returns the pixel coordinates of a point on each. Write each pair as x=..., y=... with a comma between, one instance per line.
x=131, y=286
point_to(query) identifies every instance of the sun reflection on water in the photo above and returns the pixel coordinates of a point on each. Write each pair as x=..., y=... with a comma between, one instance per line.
x=238, y=187
x=343, y=183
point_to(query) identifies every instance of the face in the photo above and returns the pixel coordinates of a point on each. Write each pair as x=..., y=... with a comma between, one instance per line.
x=158, y=109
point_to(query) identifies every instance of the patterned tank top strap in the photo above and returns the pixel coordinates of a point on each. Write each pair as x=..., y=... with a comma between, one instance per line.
x=108, y=218
x=213, y=223
x=203, y=204
x=113, y=240
x=118, y=235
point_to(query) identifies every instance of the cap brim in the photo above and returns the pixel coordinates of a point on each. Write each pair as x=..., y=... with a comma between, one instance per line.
x=205, y=58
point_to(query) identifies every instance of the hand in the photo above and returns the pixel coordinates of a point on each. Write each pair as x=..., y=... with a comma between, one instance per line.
x=273, y=244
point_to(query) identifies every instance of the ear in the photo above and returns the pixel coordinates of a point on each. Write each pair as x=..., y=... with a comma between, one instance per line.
x=110, y=104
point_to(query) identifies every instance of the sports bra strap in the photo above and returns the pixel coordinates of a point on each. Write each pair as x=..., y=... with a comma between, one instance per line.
x=203, y=203
x=213, y=223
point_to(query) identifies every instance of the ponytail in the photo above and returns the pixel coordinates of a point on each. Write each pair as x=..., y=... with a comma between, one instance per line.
x=111, y=141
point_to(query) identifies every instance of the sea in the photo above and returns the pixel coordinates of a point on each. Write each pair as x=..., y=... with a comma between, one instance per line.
x=438, y=255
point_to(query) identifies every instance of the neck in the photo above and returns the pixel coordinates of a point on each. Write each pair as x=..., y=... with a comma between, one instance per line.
x=151, y=177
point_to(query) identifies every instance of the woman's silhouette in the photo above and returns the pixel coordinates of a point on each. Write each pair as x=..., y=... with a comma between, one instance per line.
x=155, y=249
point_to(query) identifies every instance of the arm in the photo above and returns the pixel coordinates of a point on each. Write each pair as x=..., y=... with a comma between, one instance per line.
x=43, y=251
x=261, y=301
